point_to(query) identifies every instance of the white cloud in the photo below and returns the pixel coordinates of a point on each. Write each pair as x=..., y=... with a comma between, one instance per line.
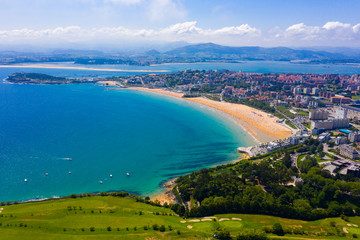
x=335, y=25
x=330, y=34
x=243, y=29
x=182, y=28
x=187, y=31
x=356, y=28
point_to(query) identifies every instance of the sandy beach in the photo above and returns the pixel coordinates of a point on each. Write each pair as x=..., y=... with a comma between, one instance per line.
x=53, y=66
x=166, y=195
x=259, y=124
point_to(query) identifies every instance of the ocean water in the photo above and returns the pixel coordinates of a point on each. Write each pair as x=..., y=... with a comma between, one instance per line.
x=246, y=66
x=105, y=132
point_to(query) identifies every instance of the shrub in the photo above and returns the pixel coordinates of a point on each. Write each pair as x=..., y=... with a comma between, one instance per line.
x=108, y=228
x=277, y=229
x=155, y=227
x=92, y=229
x=162, y=228
x=178, y=232
x=252, y=236
x=223, y=234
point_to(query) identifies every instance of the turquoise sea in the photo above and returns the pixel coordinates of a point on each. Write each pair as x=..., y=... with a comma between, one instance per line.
x=105, y=132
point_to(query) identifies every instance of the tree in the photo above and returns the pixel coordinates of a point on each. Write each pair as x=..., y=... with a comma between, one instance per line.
x=287, y=160
x=155, y=227
x=277, y=229
x=223, y=234
x=162, y=228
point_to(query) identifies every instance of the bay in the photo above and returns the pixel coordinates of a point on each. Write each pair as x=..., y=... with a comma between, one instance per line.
x=152, y=137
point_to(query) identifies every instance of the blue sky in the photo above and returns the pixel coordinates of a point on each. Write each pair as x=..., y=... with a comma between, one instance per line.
x=228, y=22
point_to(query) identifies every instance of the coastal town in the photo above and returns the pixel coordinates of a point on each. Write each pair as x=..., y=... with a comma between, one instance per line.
x=325, y=107
x=318, y=106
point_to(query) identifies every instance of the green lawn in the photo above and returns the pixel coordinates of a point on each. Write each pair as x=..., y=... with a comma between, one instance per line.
x=302, y=112
x=285, y=111
x=73, y=218
x=290, y=124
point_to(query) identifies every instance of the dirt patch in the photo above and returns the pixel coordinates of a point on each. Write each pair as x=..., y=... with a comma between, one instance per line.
x=224, y=219
x=195, y=220
x=206, y=220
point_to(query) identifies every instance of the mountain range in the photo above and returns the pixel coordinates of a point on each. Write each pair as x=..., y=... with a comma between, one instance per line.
x=188, y=53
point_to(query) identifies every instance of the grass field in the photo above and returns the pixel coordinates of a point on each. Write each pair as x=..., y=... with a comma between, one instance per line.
x=285, y=111
x=107, y=217
x=290, y=124
x=302, y=112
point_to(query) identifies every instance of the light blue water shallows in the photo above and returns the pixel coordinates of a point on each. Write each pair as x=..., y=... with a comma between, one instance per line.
x=150, y=136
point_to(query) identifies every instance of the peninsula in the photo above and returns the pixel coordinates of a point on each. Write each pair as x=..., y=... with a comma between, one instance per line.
x=39, y=78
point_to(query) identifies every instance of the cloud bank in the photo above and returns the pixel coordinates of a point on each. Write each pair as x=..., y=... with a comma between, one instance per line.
x=330, y=34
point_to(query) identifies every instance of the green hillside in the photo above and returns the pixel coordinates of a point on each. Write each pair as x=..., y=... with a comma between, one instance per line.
x=108, y=217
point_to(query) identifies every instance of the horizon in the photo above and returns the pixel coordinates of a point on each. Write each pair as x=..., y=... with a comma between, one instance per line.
x=160, y=47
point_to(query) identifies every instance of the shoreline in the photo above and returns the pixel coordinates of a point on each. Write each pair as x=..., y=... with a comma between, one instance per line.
x=257, y=123
x=165, y=194
x=54, y=66
x=252, y=124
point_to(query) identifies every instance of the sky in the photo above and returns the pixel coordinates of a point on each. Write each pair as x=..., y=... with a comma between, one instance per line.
x=267, y=23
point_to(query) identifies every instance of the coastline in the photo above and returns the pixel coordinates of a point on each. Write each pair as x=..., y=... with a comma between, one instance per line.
x=165, y=194
x=53, y=66
x=258, y=124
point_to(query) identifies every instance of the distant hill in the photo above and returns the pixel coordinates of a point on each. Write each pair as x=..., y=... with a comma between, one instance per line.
x=214, y=51
x=180, y=52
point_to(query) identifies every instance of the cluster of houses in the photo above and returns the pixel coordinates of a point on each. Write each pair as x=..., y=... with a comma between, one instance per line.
x=301, y=90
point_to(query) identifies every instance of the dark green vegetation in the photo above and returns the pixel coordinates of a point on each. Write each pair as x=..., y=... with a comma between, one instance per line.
x=204, y=52
x=39, y=78
x=114, y=217
x=214, y=51
x=264, y=185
